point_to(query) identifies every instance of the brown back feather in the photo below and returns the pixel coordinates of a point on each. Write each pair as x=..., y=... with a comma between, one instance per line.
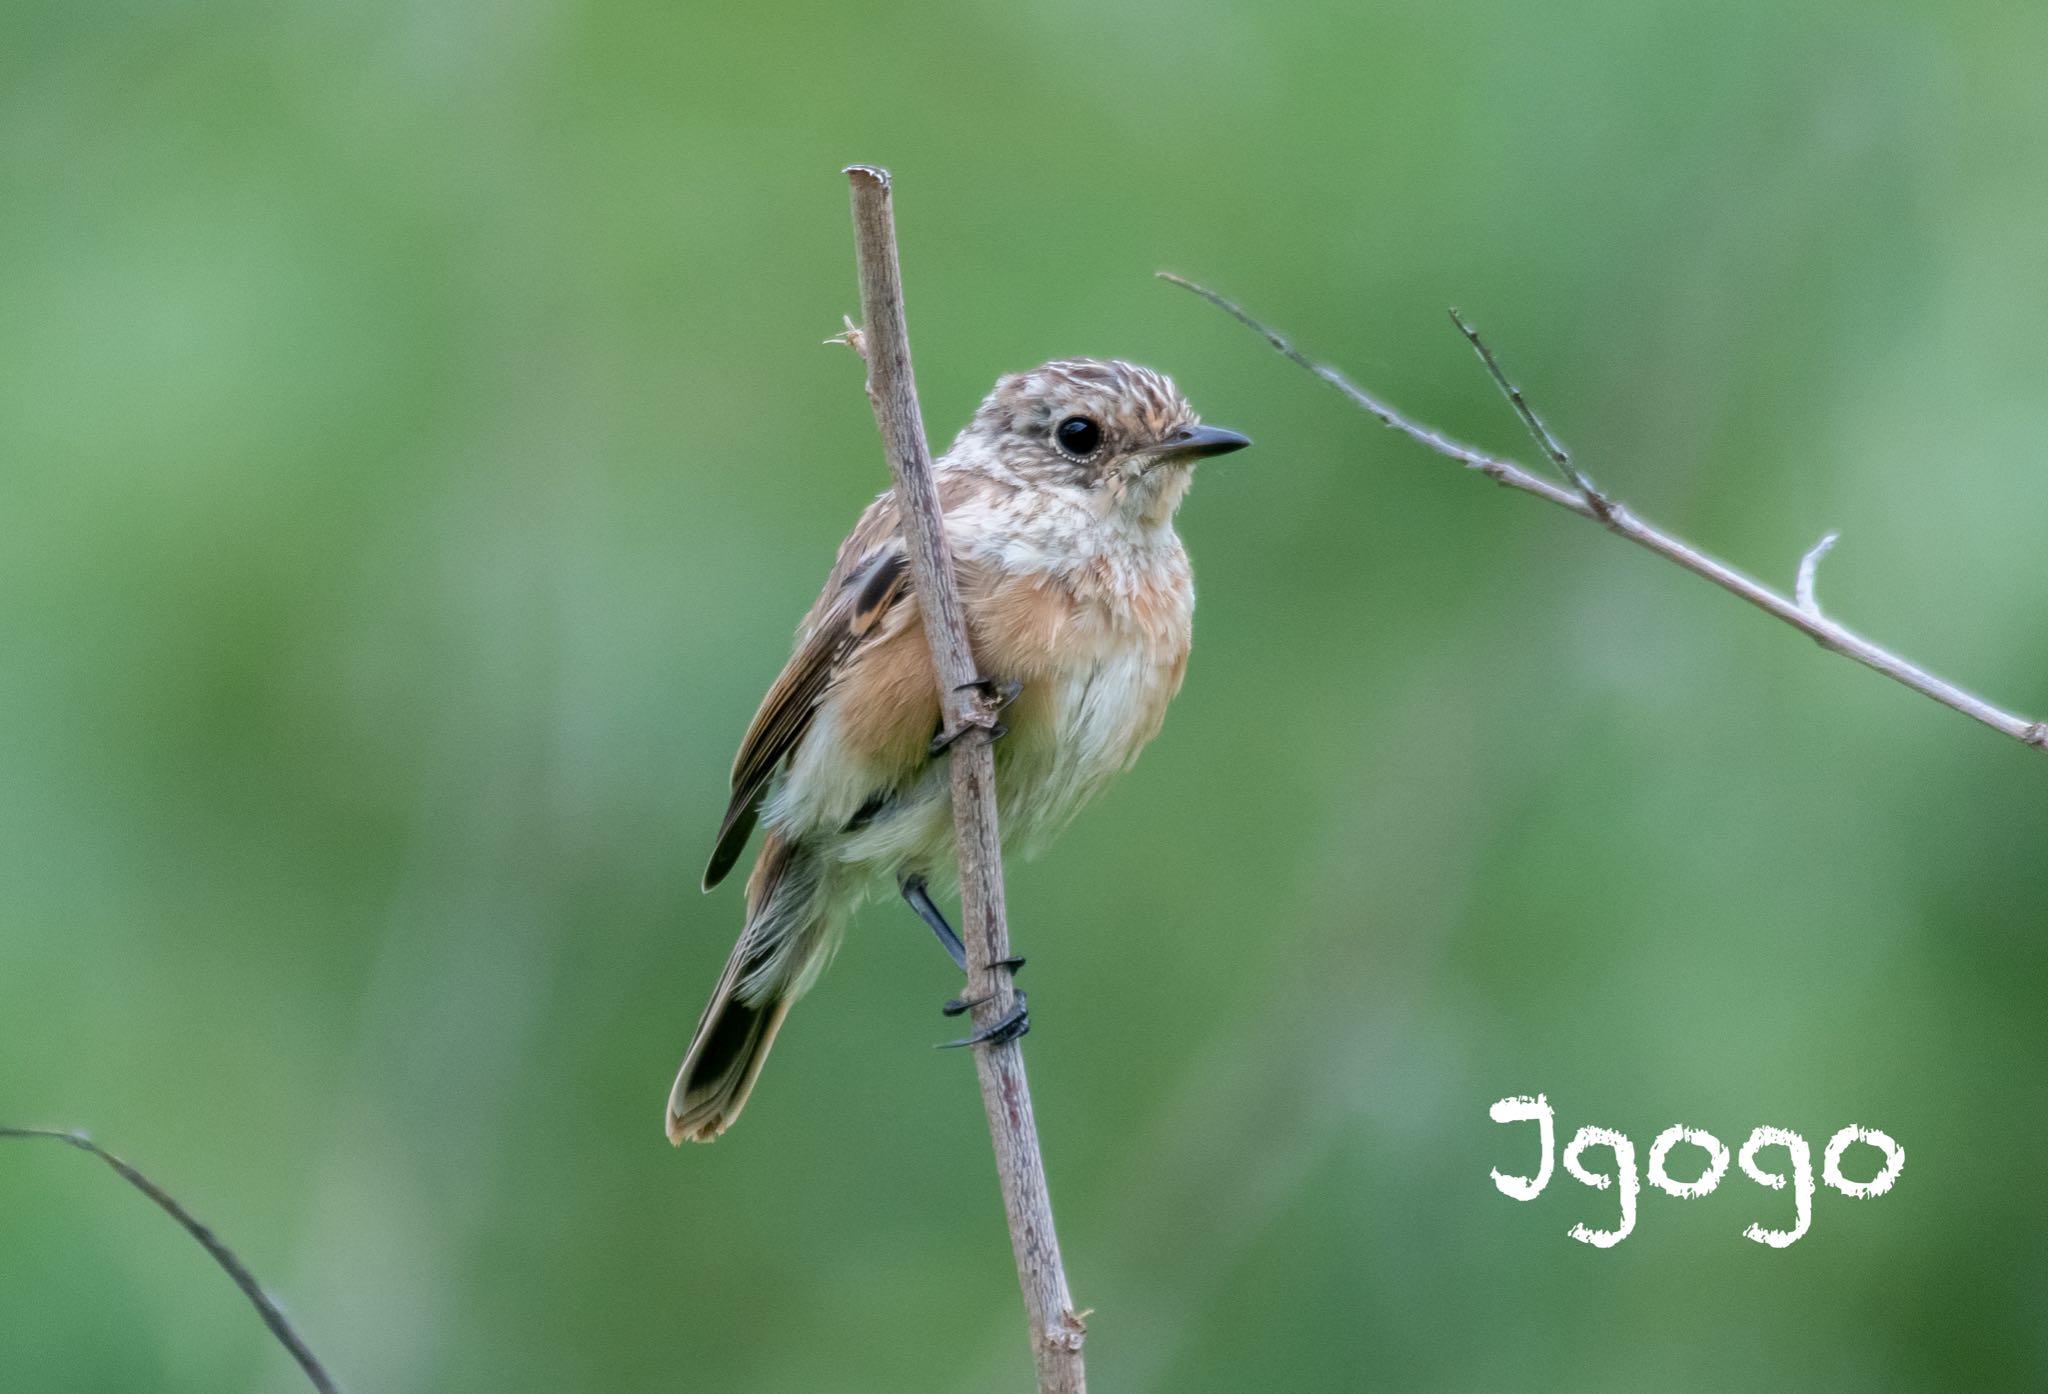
x=870, y=577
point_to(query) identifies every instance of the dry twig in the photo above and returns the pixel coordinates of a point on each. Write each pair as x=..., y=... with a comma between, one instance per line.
x=1803, y=613
x=273, y=1317
x=970, y=717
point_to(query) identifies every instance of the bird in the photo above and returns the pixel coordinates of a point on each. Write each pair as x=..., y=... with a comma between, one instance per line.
x=1059, y=498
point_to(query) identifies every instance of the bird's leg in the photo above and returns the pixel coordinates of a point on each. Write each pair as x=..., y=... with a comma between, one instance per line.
x=1017, y=1020
x=920, y=898
x=997, y=694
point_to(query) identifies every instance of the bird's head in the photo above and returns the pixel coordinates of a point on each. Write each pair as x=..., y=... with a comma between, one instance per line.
x=1118, y=432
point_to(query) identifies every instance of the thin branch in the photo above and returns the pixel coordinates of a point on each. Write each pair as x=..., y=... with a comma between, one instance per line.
x=1605, y=510
x=970, y=717
x=274, y=1318
x=851, y=337
x=1809, y=569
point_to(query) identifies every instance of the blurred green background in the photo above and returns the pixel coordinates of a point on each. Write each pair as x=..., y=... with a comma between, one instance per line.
x=415, y=449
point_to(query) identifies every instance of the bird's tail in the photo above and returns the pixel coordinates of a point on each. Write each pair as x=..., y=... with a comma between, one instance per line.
x=794, y=915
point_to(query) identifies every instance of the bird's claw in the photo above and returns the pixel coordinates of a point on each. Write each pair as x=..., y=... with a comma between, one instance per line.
x=943, y=742
x=1013, y=1023
x=1009, y=690
x=999, y=693
x=956, y=1006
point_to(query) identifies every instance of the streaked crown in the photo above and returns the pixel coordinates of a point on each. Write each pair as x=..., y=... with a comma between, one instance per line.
x=1133, y=406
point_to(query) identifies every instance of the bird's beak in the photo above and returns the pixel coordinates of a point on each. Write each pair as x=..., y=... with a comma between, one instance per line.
x=1200, y=442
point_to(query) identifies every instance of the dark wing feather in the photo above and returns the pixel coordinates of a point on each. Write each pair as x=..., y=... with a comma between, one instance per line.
x=861, y=600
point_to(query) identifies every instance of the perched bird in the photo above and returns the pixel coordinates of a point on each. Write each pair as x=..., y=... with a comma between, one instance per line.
x=1059, y=499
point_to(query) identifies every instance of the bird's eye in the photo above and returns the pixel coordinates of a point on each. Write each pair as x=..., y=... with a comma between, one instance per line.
x=1079, y=436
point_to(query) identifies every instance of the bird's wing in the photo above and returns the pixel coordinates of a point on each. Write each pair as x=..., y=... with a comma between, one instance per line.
x=870, y=578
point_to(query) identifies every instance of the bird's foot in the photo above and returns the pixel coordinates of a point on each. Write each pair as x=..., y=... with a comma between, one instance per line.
x=997, y=694
x=957, y=1006
x=1012, y=1024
